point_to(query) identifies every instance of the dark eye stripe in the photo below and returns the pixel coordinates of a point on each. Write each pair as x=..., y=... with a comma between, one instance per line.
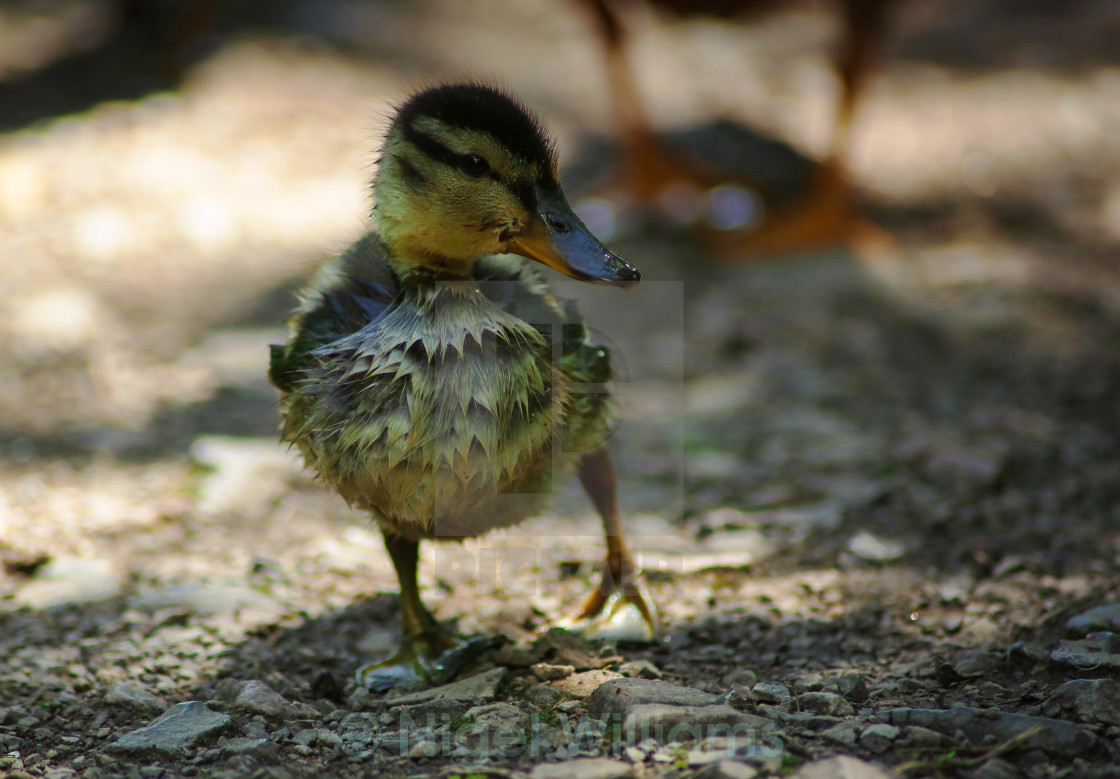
x=431, y=147
x=435, y=150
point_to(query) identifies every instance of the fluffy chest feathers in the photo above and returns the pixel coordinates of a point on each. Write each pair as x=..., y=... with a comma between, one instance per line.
x=435, y=413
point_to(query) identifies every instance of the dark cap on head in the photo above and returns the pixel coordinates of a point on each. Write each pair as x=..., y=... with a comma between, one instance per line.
x=485, y=109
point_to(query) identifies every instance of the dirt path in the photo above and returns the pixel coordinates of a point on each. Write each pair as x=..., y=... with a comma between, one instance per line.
x=877, y=500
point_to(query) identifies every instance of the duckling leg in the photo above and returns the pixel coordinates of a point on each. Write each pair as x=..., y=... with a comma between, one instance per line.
x=428, y=649
x=418, y=623
x=612, y=608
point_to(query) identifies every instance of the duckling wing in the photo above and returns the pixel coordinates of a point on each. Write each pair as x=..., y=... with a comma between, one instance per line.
x=349, y=292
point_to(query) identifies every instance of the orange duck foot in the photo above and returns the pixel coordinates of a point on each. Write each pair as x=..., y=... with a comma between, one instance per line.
x=734, y=216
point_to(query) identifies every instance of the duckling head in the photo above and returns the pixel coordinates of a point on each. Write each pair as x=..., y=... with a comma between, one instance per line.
x=466, y=171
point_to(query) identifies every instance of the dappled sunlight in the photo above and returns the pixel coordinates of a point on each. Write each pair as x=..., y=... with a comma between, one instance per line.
x=899, y=464
x=929, y=132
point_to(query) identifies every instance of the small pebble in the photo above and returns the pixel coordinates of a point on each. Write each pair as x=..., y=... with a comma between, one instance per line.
x=550, y=673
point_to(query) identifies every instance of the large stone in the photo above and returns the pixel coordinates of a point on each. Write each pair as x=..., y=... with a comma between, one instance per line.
x=1091, y=700
x=174, y=733
x=475, y=691
x=1050, y=735
x=1106, y=617
x=1097, y=650
x=620, y=696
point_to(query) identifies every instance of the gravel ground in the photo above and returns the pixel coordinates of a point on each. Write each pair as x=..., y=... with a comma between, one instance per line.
x=876, y=497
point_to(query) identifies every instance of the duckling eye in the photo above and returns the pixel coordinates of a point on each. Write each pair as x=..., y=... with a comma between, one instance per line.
x=473, y=165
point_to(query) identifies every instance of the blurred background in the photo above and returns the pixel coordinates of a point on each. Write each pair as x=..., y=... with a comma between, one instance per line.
x=941, y=400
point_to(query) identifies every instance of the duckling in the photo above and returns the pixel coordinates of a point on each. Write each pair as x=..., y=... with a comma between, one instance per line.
x=429, y=373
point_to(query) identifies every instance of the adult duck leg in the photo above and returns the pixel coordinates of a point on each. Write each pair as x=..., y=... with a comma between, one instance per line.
x=825, y=215
x=685, y=188
x=653, y=173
